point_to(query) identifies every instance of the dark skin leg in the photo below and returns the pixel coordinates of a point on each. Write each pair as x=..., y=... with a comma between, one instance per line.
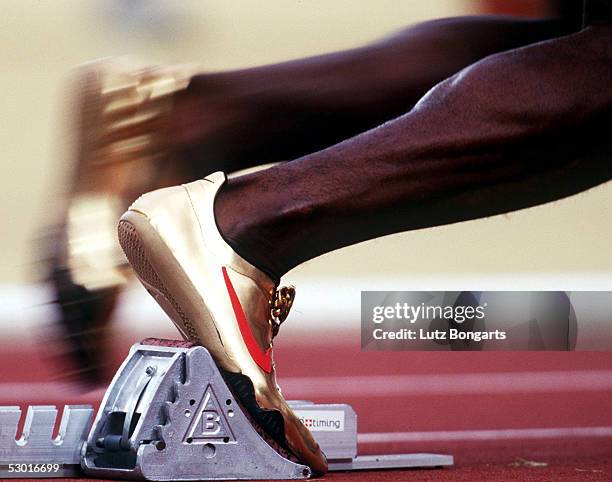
x=516, y=129
x=233, y=120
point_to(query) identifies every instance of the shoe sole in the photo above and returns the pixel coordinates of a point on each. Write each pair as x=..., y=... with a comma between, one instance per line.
x=148, y=256
x=151, y=259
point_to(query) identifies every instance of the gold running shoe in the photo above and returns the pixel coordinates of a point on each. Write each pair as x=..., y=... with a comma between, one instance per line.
x=119, y=152
x=216, y=299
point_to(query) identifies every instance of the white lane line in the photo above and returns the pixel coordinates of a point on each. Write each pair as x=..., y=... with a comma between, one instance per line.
x=392, y=385
x=448, y=384
x=484, y=435
x=396, y=385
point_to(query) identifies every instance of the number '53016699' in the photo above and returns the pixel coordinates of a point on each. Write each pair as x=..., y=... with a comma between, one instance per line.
x=34, y=468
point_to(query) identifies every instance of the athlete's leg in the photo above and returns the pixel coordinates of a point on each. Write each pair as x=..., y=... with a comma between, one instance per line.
x=327, y=200
x=229, y=121
x=277, y=112
x=482, y=142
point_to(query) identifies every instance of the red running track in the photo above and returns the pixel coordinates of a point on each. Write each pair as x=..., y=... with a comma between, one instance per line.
x=504, y=416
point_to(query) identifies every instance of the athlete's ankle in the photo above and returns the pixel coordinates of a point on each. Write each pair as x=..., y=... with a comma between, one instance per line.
x=243, y=226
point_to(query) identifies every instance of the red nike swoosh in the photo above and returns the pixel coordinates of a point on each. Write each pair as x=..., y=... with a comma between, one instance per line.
x=262, y=358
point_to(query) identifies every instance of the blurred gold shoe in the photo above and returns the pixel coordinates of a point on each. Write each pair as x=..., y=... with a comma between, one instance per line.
x=217, y=299
x=119, y=151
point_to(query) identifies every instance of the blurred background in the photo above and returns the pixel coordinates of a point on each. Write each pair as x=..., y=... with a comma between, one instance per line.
x=564, y=245
x=42, y=41
x=559, y=246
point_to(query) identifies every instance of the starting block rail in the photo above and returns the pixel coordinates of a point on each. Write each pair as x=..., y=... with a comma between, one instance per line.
x=36, y=453
x=168, y=415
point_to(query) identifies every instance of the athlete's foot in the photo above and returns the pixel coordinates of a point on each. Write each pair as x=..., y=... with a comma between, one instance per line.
x=218, y=299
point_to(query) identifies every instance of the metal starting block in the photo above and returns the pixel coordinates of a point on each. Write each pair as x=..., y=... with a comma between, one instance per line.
x=169, y=415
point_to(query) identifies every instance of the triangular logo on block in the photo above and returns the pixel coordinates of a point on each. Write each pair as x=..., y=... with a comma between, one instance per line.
x=210, y=424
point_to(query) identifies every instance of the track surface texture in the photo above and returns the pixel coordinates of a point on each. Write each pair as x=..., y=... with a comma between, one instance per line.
x=504, y=416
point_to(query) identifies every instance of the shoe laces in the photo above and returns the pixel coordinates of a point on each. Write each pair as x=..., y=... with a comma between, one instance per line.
x=280, y=303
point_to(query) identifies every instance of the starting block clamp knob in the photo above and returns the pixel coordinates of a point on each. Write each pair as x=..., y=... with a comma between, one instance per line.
x=168, y=415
